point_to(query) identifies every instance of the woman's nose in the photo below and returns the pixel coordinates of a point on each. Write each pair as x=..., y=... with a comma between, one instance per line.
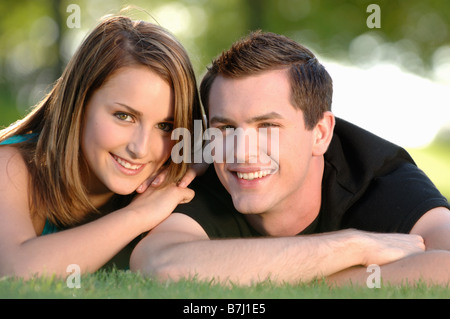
x=139, y=145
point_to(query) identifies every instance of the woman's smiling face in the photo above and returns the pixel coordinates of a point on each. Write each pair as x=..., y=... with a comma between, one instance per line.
x=127, y=130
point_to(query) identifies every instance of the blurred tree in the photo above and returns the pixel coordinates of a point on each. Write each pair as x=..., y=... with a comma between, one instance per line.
x=29, y=52
x=35, y=42
x=412, y=30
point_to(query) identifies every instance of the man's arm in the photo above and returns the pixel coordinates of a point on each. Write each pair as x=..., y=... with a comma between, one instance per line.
x=431, y=266
x=179, y=248
x=434, y=228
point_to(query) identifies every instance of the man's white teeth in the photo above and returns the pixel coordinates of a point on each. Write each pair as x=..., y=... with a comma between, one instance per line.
x=127, y=164
x=253, y=175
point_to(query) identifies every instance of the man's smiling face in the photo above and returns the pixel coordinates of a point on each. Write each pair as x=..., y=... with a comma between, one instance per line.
x=254, y=102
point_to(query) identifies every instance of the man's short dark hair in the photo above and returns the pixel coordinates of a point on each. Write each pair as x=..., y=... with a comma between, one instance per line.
x=311, y=85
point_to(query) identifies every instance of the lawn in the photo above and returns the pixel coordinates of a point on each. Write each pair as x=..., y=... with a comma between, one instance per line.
x=119, y=284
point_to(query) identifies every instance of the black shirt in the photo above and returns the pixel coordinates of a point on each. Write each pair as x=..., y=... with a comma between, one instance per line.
x=368, y=184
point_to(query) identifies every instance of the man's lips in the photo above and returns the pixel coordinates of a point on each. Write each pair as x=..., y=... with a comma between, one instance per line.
x=251, y=173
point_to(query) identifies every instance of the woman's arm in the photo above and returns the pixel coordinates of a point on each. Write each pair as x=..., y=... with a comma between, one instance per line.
x=23, y=253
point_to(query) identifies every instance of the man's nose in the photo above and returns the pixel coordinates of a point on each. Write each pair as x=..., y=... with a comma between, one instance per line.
x=242, y=146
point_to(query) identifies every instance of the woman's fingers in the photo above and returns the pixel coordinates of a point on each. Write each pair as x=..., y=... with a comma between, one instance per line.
x=153, y=181
x=193, y=171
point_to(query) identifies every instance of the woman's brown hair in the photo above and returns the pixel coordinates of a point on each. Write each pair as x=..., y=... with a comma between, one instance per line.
x=55, y=162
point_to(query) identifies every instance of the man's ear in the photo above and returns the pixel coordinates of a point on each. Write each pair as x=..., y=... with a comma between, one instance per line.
x=323, y=132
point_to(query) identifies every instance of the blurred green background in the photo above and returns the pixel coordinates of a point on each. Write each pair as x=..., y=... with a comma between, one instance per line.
x=393, y=80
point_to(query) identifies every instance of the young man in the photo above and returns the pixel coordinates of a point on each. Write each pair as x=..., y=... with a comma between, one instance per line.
x=251, y=220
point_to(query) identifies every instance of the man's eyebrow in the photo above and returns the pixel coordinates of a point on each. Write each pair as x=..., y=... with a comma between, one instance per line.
x=258, y=118
x=219, y=119
x=264, y=117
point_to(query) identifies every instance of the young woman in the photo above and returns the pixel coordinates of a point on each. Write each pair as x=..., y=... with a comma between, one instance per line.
x=74, y=172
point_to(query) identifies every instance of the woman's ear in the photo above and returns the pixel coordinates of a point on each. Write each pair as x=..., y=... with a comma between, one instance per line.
x=323, y=132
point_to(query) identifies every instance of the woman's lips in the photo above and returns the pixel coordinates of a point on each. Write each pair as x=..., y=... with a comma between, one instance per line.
x=126, y=166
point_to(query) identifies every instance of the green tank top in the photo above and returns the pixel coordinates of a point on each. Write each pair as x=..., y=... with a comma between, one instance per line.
x=19, y=138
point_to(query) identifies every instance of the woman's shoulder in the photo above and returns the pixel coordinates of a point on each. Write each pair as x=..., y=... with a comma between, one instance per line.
x=12, y=166
x=10, y=153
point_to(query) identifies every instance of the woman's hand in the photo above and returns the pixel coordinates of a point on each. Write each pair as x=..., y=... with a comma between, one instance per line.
x=193, y=171
x=156, y=204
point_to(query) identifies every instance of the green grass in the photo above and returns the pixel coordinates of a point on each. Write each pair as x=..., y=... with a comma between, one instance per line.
x=434, y=160
x=118, y=284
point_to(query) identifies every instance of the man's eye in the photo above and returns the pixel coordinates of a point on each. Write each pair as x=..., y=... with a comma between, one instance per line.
x=268, y=125
x=123, y=116
x=166, y=127
x=225, y=127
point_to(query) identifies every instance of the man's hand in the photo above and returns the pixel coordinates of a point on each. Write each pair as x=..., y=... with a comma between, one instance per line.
x=385, y=248
x=430, y=267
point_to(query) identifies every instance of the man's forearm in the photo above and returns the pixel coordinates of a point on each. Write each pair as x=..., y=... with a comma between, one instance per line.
x=430, y=267
x=245, y=261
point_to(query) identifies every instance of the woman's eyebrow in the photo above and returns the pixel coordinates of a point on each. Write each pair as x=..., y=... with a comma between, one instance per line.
x=140, y=114
x=130, y=109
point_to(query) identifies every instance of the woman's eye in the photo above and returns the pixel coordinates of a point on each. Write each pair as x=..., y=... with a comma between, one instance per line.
x=166, y=127
x=123, y=116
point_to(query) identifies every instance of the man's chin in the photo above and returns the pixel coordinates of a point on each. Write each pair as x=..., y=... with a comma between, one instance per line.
x=247, y=207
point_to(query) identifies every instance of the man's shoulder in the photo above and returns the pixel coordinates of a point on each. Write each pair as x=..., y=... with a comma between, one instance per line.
x=395, y=202
x=358, y=155
x=372, y=184
x=356, y=141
